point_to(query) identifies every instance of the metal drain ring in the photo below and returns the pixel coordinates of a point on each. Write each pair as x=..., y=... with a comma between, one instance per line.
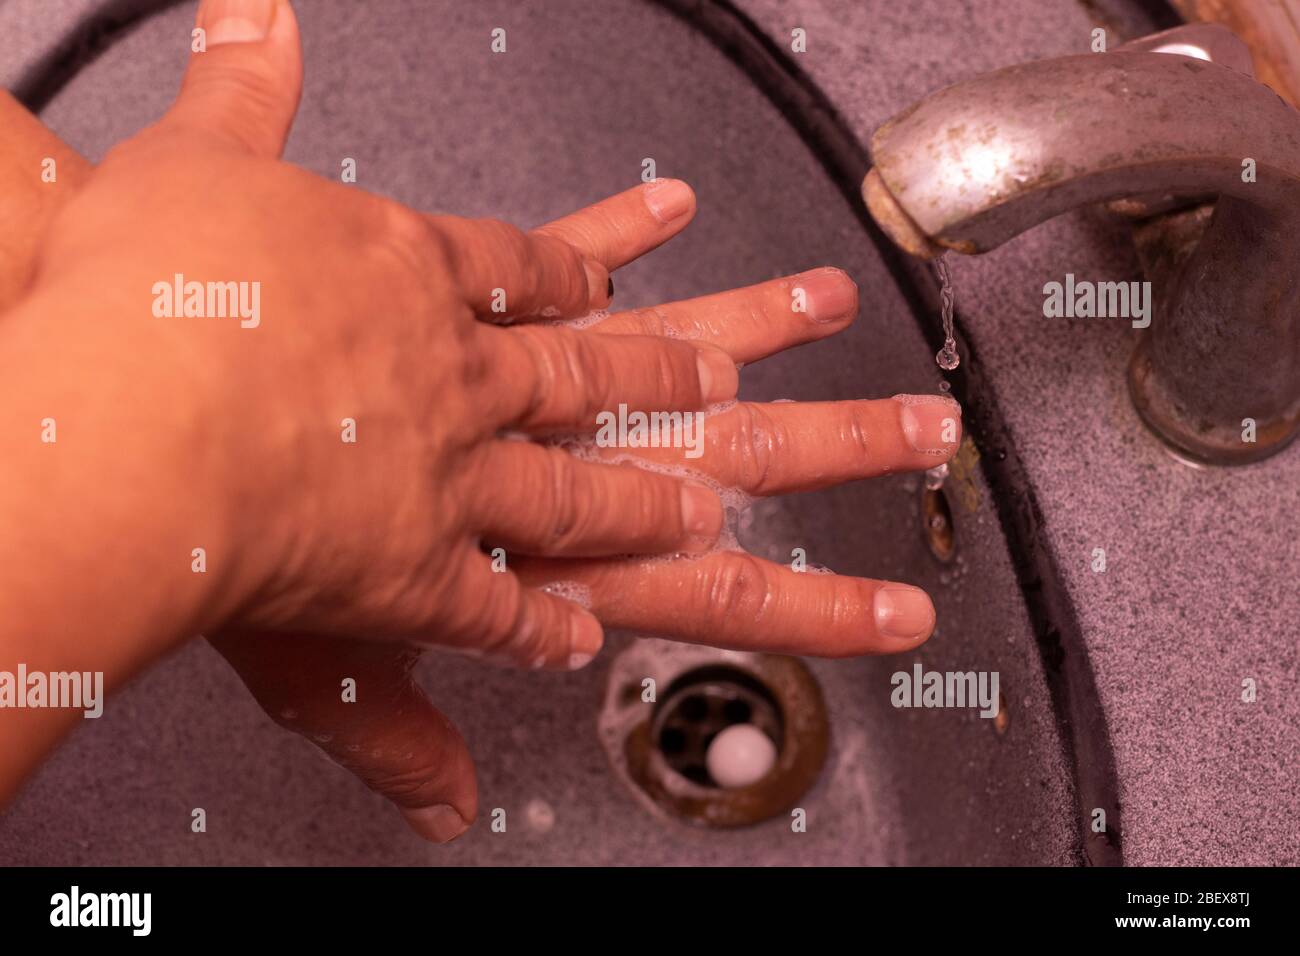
x=785, y=703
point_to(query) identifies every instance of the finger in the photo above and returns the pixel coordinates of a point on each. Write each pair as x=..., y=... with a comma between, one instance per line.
x=244, y=85
x=507, y=274
x=780, y=447
x=755, y=322
x=381, y=726
x=489, y=614
x=733, y=600
x=621, y=228
x=562, y=379
x=535, y=499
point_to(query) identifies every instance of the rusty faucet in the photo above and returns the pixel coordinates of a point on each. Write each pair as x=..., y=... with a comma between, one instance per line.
x=1165, y=139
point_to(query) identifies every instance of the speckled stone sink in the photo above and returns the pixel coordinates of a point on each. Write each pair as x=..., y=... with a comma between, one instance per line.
x=1121, y=689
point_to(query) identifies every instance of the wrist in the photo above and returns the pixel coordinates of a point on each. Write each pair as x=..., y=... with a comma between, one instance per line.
x=121, y=530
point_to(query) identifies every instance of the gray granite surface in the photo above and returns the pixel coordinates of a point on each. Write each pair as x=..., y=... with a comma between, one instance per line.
x=1200, y=588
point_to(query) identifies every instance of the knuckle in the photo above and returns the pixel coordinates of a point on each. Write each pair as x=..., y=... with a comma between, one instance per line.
x=673, y=366
x=848, y=596
x=489, y=620
x=649, y=321
x=855, y=428
x=505, y=250
x=533, y=266
x=251, y=84
x=528, y=633
x=414, y=784
x=549, y=350
x=572, y=284
x=403, y=242
x=411, y=232
x=734, y=589
x=541, y=348
x=408, y=604
x=241, y=76
x=537, y=641
x=561, y=506
x=758, y=437
x=588, y=367
x=466, y=606
x=508, y=239
x=657, y=500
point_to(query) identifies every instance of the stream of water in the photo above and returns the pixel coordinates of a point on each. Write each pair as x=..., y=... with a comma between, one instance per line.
x=947, y=357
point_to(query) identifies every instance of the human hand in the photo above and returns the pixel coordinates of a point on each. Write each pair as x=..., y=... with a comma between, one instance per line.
x=221, y=432
x=366, y=314
x=401, y=746
x=762, y=449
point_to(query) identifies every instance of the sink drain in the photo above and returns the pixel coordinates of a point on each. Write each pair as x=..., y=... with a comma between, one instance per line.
x=937, y=524
x=769, y=708
x=702, y=704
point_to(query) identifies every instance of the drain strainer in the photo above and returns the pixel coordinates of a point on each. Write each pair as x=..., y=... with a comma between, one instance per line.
x=667, y=702
x=700, y=705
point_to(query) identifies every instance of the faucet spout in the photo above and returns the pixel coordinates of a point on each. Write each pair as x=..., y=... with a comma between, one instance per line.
x=975, y=164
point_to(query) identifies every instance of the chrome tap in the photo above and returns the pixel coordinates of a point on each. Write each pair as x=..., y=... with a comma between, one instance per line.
x=1174, y=132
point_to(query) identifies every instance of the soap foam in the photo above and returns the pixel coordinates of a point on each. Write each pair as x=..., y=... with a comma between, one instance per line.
x=909, y=400
x=595, y=317
x=573, y=591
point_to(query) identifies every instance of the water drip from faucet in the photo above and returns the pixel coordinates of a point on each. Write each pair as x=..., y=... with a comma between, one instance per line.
x=947, y=356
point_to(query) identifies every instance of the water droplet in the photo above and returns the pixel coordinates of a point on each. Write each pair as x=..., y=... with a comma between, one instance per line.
x=947, y=356
x=934, y=477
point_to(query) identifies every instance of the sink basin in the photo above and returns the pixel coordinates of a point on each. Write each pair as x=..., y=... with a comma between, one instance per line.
x=587, y=92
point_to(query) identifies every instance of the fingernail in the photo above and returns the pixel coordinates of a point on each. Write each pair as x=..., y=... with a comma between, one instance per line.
x=904, y=612
x=718, y=376
x=701, y=515
x=931, y=423
x=440, y=823
x=600, y=287
x=585, y=639
x=668, y=199
x=236, y=21
x=829, y=294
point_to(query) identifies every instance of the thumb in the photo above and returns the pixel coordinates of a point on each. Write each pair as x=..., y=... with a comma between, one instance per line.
x=245, y=74
x=385, y=731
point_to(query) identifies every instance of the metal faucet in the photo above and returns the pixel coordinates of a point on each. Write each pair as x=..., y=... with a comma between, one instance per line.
x=1168, y=130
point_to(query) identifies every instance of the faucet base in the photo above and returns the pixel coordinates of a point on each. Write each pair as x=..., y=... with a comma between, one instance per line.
x=1212, y=443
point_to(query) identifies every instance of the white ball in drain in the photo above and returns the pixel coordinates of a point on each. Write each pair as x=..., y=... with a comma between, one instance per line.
x=740, y=755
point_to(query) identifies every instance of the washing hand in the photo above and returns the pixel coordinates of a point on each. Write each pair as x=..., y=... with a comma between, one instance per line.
x=325, y=557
